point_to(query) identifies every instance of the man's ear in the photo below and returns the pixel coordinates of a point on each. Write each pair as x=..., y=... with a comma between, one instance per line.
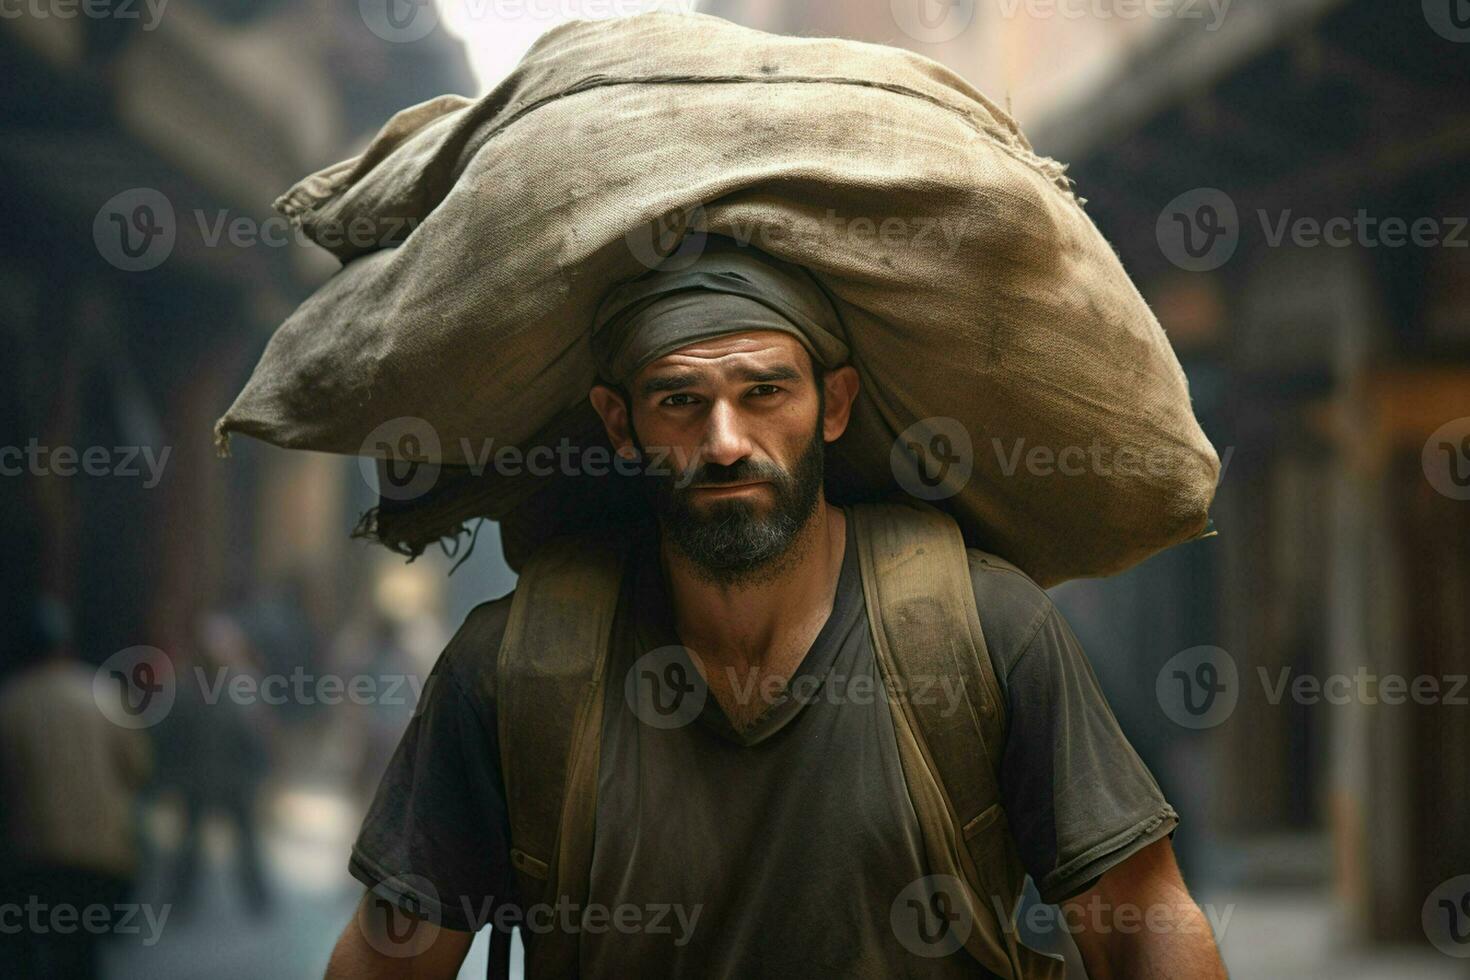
x=841, y=386
x=614, y=413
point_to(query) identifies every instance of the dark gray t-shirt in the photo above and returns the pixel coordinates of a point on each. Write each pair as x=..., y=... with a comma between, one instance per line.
x=777, y=851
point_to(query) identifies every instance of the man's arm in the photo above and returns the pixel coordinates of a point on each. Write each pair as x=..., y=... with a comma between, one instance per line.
x=382, y=942
x=1139, y=923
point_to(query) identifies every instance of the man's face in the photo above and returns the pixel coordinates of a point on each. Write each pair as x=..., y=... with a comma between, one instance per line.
x=739, y=421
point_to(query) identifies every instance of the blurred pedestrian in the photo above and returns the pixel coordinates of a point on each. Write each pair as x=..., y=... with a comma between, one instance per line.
x=70, y=779
x=218, y=754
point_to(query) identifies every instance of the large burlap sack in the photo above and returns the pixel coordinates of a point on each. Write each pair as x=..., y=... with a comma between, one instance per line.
x=1011, y=372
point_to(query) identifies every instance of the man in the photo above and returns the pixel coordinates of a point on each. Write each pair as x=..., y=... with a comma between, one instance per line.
x=774, y=827
x=69, y=784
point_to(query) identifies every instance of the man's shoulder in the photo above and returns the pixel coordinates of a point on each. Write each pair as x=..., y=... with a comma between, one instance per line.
x=1011, y=607
x=470, y=656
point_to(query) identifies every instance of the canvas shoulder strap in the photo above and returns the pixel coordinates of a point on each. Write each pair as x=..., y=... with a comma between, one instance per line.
x=949, y=718
x=549, y=682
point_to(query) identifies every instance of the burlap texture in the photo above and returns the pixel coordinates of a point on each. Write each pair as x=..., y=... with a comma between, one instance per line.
x=480, y=236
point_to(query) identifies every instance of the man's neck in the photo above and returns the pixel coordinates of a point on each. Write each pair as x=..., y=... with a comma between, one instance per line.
x=768, y=621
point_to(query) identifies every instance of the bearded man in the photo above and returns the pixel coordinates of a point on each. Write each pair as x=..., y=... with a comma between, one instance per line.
x=773, y=827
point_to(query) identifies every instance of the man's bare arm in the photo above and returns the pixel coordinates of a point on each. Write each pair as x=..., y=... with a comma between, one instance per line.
x=382, y=942
x=1139, y=923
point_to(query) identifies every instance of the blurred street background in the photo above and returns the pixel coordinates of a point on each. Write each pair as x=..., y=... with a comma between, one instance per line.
x=1288, y=182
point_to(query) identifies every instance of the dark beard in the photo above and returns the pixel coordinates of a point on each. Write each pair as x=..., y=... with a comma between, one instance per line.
x=728, y=542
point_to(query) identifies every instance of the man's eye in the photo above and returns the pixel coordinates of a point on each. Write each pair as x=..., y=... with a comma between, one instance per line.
x=678, y=400
x=764, y=390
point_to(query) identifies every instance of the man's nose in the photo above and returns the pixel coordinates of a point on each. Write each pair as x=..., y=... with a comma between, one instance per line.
x=726, y=440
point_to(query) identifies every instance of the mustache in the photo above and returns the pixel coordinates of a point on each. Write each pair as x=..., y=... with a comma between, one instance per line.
x=719, y=474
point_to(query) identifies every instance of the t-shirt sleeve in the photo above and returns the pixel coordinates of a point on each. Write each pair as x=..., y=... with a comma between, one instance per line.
x=1078, y=798
x=436, y=840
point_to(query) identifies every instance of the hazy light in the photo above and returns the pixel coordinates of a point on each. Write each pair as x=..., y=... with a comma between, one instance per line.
x=497, y=33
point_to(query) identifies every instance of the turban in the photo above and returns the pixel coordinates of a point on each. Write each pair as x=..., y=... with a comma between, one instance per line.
x=727, y=288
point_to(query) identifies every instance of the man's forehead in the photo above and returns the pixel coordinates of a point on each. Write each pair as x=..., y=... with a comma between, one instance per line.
x=731, y=352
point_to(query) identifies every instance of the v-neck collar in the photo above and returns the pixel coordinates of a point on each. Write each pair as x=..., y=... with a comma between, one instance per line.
x=654, y=619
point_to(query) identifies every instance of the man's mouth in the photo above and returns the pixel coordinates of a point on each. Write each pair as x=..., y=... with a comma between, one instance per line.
x=718, y=488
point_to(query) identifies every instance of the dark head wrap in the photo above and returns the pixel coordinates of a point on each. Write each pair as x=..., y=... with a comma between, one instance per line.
x=728, y=288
